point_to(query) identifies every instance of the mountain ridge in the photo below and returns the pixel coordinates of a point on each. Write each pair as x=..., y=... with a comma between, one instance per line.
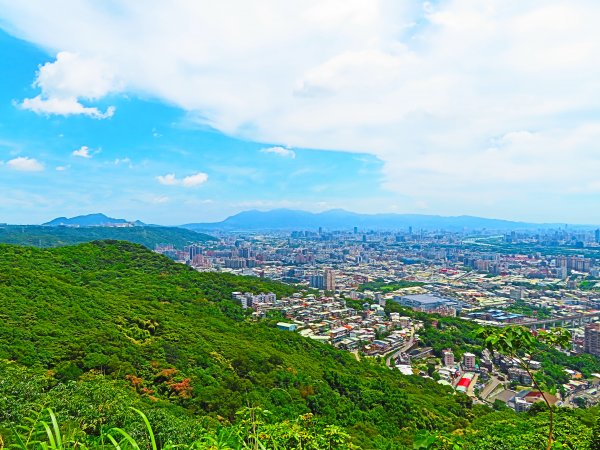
x=90, y=220
x=339, y=219
x=58, y=236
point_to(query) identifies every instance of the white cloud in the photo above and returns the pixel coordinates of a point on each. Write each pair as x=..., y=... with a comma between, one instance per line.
x=168, y=180
x=25, y=164
x=62, y=168
x=64, y=107
x=280, y=151
x=196, y=179
x=83, y=152
x=67, y=80
x=466, y=103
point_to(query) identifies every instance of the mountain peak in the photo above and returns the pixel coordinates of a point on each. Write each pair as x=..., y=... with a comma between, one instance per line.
x=90, y=220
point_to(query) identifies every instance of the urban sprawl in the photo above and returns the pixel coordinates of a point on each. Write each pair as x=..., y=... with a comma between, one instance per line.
x=345, y=279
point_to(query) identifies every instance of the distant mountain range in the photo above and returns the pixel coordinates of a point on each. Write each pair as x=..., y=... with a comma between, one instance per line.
x=90, y=220
x=338, y=219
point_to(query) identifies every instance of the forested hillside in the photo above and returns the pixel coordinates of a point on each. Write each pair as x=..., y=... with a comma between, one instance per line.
x=96, y=328
x=45, y=236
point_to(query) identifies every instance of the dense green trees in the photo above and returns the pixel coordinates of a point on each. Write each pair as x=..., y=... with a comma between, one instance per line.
x=94, y=329
x=173, y=337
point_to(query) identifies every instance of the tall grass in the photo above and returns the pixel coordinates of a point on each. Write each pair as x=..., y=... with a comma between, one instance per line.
x=43, y=432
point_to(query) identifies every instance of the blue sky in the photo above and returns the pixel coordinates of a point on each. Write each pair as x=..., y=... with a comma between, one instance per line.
x=192, y=113
x=146, y=139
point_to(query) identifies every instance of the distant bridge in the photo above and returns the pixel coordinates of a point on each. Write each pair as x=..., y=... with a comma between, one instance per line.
x=568, y=321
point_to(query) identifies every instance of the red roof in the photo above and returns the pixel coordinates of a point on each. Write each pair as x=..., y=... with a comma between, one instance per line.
x=464, y=382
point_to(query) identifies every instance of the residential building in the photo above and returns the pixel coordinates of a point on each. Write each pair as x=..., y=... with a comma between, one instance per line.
x=592, y=339
x=448, y=358
x=469, y=361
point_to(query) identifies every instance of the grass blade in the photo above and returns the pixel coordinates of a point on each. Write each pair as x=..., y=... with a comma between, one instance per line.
x=57, y=433
x=50, y=435
x=127, y=437
x=148, y=426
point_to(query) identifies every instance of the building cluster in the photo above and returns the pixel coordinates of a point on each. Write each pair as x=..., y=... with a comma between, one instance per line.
x=345, y=279
x=330, y=320
x=496, y=377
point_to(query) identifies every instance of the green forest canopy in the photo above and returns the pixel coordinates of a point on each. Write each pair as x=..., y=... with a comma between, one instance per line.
x=97, y=327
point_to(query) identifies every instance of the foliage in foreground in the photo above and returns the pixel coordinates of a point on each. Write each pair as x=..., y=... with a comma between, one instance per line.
x=253, y=431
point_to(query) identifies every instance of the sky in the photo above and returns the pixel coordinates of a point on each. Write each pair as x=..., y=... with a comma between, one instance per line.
x=190, y=111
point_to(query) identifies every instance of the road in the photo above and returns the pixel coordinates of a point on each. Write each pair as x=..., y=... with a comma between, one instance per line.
x=490, y=387
x=394, y=353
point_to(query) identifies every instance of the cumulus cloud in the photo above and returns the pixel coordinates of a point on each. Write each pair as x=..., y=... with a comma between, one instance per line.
x=83, y=152
x=170, y=179
x=25, y=164
x=465, y=102
x=195, y=180
x=67, y=80
x=280, y=151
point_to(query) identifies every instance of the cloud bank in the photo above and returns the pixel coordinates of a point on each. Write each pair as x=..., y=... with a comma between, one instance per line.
x=465, y=102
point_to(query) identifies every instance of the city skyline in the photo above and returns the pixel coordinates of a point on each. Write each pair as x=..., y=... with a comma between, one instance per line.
x=446, y=108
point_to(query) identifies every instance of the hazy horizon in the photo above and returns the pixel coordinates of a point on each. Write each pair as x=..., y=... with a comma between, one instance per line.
x=221, y=219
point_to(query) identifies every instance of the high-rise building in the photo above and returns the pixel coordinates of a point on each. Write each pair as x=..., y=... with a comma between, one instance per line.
x=561, y=261
x=356, y=232
x=329, y=280
x=317, y=281
x=448, y=358
x=592, y=339
x=597, y=236
x=469, y=361
x=194, y=250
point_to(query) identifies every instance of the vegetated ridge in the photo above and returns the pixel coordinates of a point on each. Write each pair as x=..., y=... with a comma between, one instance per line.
x=56, y=236
x=95, y=328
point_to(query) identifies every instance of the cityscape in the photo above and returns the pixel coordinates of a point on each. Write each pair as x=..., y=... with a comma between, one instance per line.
x=299, y=225
x=347, y=281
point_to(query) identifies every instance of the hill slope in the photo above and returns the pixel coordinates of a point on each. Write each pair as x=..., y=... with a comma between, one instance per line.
x=96, y=328
x=131, y=314
x=43, y=236
x=286, y=219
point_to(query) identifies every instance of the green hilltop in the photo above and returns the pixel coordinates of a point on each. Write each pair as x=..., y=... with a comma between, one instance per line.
x=92, y=329
x=57, y=236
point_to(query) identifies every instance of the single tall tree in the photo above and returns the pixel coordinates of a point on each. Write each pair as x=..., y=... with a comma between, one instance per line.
x=521, y=344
